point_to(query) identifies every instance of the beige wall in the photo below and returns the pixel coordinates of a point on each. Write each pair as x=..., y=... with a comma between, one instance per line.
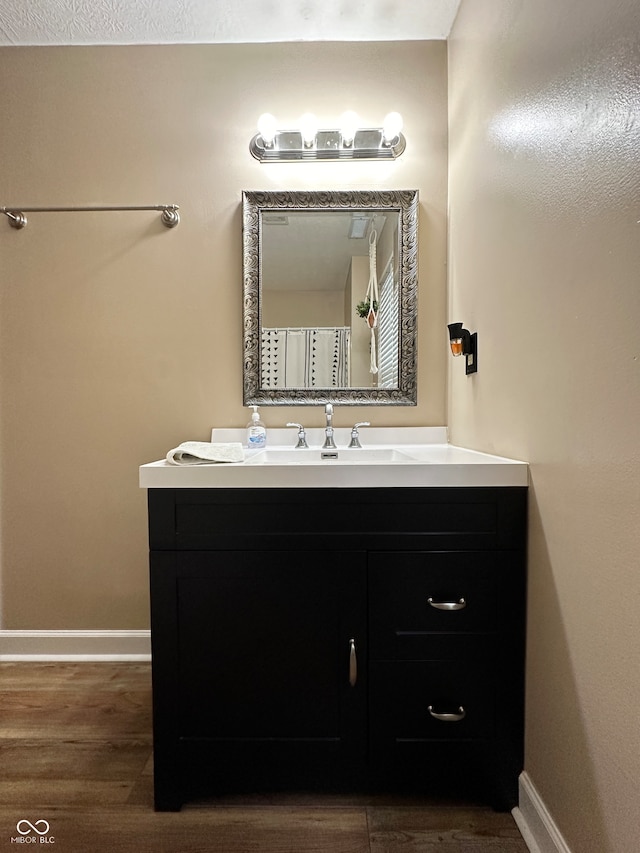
x=303, y=308
x=119, y=338
x=544, y=264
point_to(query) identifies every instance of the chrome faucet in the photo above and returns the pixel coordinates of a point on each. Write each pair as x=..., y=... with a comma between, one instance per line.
x=355, y=435
x=328, y=430
x=302, y=435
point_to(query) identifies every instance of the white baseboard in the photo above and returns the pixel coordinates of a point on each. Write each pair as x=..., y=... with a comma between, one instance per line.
x=534, y=821
x=75, y=646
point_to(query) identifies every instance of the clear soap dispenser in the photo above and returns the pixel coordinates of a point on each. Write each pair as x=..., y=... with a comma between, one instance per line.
x=256, y=431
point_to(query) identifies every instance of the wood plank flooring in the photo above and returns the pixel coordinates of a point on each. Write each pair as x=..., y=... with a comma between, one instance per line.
x=75, y=751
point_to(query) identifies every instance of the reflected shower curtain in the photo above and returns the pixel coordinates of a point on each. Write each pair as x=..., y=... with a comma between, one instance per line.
x=305, y=358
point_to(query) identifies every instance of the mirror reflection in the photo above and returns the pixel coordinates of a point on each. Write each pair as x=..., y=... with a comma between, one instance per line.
x=330, y=289
x=330, y=300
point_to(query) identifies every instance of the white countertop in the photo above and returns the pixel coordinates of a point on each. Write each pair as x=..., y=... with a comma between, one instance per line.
x=424, y=459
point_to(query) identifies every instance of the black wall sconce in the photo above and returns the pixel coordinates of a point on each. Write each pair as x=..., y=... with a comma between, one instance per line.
x=466, y=344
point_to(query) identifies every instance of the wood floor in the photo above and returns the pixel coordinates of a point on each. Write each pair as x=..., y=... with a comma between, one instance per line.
x=75, y=753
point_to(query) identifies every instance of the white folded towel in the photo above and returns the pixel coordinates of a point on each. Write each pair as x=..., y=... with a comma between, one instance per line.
x=205, y=453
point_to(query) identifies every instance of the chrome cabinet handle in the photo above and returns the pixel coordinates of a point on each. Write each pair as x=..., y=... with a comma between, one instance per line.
x=353, y=663
x=460, y=604
x=450, y=717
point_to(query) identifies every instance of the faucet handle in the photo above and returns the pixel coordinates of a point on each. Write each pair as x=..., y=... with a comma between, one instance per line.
x=355, y=435
x=302, y=436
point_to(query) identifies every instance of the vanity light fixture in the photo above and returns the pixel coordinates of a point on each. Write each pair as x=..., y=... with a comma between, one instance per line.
x=307, y=142
x=309, y=129
x=358, y=227
x=267, y=129
x=391, y=128
x=464, y=343
x=349, y=123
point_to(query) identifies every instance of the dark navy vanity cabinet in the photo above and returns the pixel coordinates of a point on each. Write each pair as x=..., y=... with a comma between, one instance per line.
x=343, y=638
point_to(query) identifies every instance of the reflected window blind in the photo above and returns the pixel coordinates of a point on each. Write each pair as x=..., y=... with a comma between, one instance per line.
x=388, y=331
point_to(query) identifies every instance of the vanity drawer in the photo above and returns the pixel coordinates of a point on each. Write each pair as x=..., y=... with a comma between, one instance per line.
x=340, y=518
x=413, y=701
x=414, y=595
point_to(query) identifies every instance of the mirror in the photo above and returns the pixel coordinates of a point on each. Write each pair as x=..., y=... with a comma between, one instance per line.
x=330, y=297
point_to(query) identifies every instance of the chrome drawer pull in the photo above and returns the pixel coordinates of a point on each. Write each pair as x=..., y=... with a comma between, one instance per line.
x=448, y=718
x=353, y=663
x=448, y=605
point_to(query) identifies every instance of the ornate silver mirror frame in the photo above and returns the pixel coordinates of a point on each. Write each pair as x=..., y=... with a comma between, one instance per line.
x=255, y=205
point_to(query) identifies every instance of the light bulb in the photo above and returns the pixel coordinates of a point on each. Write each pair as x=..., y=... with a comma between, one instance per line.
x=267, y=129
x=391, y=127
x=349, y=123
x=308, y=128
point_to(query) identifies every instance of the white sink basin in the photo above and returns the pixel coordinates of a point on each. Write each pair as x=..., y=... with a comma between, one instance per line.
x=391, y=457
x=341, y=456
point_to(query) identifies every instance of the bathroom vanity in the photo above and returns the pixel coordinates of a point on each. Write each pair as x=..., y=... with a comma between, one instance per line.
x=352, y=634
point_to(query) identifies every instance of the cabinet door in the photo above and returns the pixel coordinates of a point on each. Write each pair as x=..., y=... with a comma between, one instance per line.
x=272, y=652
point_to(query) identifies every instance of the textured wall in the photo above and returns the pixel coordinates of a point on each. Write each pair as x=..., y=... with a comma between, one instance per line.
x=120, y=338
x=544, y=261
